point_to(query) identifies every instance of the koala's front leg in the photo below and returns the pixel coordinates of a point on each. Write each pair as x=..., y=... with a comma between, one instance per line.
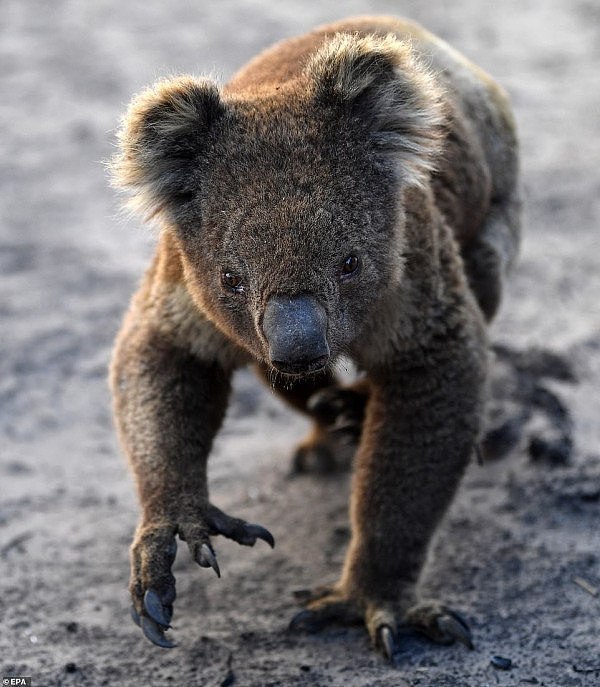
x=422, y=421
x=169, y=405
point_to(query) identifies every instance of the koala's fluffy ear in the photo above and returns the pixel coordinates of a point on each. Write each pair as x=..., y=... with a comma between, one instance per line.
x=378, y=79
x=161, y=141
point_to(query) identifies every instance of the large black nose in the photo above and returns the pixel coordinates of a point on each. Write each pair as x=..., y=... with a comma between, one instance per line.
x=296, y=330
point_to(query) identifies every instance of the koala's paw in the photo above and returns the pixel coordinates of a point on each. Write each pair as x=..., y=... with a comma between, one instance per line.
x=323, y=452
x=152, y=584
x=331, y=605
x=331, y=445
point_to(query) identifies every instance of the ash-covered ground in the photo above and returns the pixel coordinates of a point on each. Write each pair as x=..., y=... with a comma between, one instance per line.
x=520, y=530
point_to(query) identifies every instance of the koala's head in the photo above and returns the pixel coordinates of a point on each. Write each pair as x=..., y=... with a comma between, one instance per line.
x=286, y=198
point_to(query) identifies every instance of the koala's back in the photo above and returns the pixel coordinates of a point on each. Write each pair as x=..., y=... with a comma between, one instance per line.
x=480, y=165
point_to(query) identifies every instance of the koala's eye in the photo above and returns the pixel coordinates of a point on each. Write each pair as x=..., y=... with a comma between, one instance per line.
x=350, y=266
x=232, y=281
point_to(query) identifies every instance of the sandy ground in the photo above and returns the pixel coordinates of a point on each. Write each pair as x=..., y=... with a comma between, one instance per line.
x=518, y=532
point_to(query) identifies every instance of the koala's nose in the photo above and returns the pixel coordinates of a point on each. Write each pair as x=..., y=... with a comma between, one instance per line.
x=296, y=330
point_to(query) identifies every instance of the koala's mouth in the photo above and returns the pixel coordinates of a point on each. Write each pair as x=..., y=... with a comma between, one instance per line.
x=295, y=368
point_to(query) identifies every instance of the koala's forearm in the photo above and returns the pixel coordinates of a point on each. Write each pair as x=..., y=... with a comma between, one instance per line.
x=170, y=393
x=420, y=430
x=169, y=405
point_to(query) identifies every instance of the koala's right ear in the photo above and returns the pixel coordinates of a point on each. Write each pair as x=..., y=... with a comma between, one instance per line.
x=161, y=141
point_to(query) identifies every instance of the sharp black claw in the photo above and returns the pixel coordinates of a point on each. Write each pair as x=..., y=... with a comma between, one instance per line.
x=455, y=627
x=135, y=616
x=207, y=559
x=259, y=532
x=387, y=641
x=155, y=609
x=461, y=619
x=154, y=633
x=305, y=621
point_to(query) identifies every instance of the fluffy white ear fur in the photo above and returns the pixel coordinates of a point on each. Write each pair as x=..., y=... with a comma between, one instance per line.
x=161, y=140
x=379, y=79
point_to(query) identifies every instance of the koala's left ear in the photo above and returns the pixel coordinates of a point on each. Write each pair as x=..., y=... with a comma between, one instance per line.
x=161, y=142
x=378, y=79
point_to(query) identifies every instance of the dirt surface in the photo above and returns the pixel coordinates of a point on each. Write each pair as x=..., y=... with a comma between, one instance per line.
x=520, y=530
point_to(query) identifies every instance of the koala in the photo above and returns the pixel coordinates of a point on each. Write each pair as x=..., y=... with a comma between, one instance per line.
x=350, y=192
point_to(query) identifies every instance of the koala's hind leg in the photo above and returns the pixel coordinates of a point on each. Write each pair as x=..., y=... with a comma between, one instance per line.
x=490, y=255
x=337, y=413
